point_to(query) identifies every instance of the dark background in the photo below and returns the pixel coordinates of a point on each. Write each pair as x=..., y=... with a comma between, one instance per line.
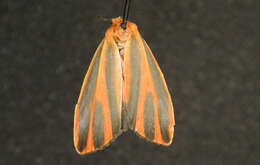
x=209, y=53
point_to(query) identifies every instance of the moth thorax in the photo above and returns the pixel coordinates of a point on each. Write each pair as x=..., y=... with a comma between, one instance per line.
x=121, y=41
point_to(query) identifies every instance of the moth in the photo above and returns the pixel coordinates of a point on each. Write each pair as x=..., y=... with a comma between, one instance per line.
x=123, y=89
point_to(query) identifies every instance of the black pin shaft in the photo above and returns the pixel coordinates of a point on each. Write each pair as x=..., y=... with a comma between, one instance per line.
x=125, y=13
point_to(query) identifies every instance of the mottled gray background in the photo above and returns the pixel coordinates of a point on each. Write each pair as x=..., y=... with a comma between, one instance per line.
x=208, y=50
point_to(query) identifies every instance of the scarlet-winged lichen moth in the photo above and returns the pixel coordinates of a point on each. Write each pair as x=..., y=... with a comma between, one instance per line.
x=123, y=89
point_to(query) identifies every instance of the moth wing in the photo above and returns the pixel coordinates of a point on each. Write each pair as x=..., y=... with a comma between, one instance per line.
x=149, y=105
x=97, y=118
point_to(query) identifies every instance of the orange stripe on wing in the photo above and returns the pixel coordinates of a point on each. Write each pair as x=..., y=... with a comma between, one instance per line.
x=157, y=131
x=144, y=85
x=76, y=127
x=102, y=95
x=90, y=146
x=171, y=120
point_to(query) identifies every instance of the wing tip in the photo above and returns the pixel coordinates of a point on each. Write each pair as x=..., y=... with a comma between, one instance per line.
x=159, y=141
x=86, y=151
